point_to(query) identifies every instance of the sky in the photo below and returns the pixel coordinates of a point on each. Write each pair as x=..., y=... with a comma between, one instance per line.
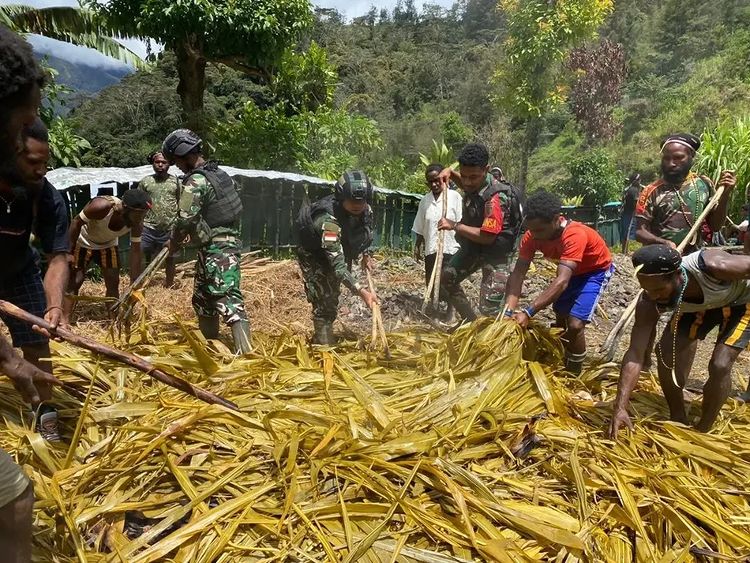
x=80, y=55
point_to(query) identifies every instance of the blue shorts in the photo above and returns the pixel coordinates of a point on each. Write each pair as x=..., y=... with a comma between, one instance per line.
x=582, y=295
x=152, y=241
x=26, y=291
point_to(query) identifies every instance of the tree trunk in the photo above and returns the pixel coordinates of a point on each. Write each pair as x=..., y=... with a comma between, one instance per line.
x=531, y=139
x=191, y=69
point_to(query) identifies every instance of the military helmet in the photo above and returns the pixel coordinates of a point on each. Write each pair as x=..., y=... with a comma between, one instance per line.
x=354, y=184
x=180, y=142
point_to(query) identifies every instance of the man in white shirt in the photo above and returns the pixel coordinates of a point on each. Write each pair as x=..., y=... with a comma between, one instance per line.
x=429, y=214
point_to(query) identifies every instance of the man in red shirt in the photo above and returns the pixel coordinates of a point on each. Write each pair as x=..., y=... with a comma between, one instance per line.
x=488, y=229
x=584, y=267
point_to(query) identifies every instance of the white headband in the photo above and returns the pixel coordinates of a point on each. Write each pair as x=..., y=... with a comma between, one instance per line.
x=679, y=142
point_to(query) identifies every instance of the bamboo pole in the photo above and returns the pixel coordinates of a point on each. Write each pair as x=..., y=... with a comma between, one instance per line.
x=118, y=355
x=440, y=251
x=614, y=336
x=143, y=279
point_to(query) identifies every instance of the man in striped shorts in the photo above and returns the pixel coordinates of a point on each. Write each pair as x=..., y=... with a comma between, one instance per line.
x=94, y=234
x=705, y=290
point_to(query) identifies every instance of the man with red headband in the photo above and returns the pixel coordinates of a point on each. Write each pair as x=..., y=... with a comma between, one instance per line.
x=94, y=234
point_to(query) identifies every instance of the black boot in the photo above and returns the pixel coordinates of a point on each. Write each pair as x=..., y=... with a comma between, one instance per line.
x=209, y=327
x=323, y=332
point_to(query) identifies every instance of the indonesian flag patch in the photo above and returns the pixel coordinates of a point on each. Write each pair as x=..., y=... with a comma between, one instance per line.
x=330, y=236
x=331, y=233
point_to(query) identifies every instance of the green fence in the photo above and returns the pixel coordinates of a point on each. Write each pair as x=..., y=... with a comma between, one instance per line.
x=270, y=207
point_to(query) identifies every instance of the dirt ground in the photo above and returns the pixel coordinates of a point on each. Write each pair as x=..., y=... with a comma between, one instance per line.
x=276, y=302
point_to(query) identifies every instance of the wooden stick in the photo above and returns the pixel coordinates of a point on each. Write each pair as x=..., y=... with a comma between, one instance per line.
x=613, y=339
x=439, y=258
x=119, y=355
x=142, y=280
x=377, y=319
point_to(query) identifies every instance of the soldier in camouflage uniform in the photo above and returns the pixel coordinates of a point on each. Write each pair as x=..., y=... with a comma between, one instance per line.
x=332, y=233
x=488, y=230
x=209, y=212
x=157, y=226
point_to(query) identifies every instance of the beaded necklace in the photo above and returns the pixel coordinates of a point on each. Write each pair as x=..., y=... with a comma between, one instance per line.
x=674, y=320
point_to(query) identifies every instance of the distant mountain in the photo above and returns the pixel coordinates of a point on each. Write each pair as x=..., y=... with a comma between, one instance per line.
x=84, y=78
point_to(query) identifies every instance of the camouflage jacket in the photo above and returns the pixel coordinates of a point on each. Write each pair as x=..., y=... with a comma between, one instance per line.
x=195, y=194
x=669, y=212
x=164, y=196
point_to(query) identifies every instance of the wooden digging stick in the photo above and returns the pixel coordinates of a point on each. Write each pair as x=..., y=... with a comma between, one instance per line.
x=118, y=355
x=142, y=280
x=377, y=319
x=614, y=336
x=438, y=267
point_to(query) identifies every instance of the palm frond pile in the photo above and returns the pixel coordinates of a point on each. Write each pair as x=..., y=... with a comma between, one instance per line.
x=459, y=448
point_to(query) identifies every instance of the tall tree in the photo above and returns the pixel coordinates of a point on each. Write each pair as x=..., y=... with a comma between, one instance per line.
x=541, y=34
x=246, y=35
x=600, y=71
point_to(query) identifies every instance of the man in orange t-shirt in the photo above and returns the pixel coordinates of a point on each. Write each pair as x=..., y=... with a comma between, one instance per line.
x=584, y=267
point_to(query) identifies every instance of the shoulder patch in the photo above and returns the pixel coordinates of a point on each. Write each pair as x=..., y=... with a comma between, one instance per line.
x=331, y=234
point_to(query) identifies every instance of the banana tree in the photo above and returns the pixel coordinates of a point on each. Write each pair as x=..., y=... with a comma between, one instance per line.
x=78, y=26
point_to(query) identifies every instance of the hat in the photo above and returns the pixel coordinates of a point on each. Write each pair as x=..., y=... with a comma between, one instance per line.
x=656, y=260
x=685, y=139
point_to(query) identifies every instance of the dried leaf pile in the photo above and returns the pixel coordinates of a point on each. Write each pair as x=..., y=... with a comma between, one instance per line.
x=455, y=449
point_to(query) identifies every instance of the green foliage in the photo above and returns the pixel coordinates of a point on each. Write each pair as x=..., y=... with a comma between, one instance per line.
x=456, y=132
x=305, y=81
x=72, y=25
x=323, y=142
x=540, y=35
x=726, y=146
x=440, y=154
x=66, y=147
x=245, y=32
x=594, y=178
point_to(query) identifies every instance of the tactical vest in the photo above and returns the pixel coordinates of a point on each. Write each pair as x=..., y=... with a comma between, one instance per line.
x=473, y=216
x=226, y=208
x=356, y=230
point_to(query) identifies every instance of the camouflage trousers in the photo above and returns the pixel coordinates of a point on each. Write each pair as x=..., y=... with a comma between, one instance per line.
x=322, y=287
x=216, y=291
x=492, y=291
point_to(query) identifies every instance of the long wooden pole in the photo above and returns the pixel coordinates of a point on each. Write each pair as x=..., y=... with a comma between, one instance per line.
x=143, y=278
x=119, y=355
x=613, y=339
x=438, y=267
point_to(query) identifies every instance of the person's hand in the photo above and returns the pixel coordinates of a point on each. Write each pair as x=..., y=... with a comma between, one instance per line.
x=670, y=244
x=418, y=252
x=522, y=319
x=25, y=376
x=446, y=224
x=368, y=297
x=368, y=263
x=620, y=418
x=445, y=176
x=56, y=318
x=728, y=179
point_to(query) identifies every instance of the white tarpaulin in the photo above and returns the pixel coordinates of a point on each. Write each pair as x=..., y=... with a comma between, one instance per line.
x=64, y=178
